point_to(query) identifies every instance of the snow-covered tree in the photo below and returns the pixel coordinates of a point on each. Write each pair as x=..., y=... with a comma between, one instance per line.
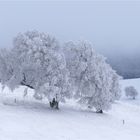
x=115, y=87
x=38, y=64
x=7, y=63
x=93, y=80
x=37, y=61
x=130, y=91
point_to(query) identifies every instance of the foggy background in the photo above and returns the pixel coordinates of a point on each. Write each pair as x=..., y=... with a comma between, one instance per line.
x=112, y=27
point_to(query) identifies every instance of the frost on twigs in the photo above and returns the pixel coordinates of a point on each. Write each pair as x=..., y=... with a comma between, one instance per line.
x=75, y=70
x=94, y=82
x=35, y=61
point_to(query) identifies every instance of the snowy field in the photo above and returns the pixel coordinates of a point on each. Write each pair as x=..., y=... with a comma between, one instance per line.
x=28, y=119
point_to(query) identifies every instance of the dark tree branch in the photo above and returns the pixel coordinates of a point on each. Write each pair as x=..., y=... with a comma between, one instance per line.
x=24, y=84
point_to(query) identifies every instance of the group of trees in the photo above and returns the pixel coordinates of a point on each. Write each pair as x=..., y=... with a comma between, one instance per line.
x=56, y=72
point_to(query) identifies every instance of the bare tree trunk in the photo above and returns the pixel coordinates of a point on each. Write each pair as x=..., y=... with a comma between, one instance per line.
x=15, y=100
x=54, y=104
x=51, y=105
x=99, y=111
x=57, y=105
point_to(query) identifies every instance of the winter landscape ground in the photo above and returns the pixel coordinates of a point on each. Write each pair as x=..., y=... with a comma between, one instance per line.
x=24, y=118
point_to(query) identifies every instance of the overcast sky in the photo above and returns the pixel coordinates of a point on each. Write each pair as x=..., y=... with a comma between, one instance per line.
x=110, y=26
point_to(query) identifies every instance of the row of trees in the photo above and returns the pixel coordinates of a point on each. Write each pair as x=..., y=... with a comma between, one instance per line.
x=56, y=72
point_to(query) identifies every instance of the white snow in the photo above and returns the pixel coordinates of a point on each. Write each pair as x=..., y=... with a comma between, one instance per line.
x=28, y=119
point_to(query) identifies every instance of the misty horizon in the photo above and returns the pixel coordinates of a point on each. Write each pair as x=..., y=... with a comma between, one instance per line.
x=110, y=26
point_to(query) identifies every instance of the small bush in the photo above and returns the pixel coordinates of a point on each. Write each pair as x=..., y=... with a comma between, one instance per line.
x=130, y=91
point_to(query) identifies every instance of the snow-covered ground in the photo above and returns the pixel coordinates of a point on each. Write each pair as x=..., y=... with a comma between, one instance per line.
x=28, y=119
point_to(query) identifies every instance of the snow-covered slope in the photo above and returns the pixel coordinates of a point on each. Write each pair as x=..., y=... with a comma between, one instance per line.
x=28, y=119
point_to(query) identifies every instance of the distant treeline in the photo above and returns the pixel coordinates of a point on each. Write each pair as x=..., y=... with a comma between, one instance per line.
x=126, y=66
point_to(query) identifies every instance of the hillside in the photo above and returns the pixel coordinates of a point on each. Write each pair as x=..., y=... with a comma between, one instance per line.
x=28, y=119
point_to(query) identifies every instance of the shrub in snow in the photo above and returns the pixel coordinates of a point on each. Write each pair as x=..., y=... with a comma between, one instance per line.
x=36, y=61
x=130, y=91
x=93, y=80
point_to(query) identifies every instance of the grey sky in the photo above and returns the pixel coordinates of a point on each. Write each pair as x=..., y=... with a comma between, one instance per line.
x=110, y=26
